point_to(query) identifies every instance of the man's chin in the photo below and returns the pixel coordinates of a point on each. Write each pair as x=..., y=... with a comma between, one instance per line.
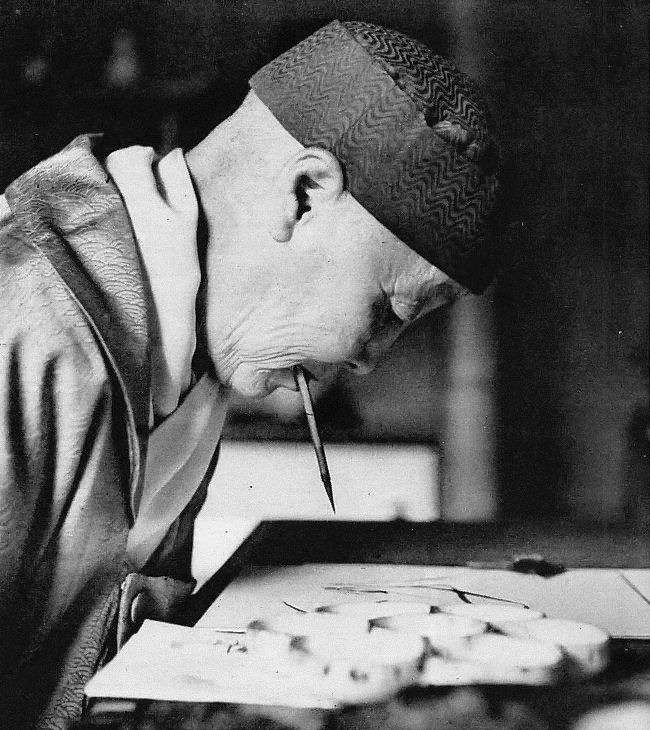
x=257, y=385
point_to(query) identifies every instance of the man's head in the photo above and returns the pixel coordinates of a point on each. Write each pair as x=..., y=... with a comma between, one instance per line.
x=347, y=196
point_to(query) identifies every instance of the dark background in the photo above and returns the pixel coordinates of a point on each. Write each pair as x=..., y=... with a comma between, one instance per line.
x=569, y=317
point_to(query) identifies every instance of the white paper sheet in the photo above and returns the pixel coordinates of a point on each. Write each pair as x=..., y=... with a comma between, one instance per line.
x=640, y=579
x=601, y=597
x=168, y=662
x=206, y=664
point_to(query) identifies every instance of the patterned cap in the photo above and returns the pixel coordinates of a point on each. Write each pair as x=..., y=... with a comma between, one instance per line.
x=409, y=131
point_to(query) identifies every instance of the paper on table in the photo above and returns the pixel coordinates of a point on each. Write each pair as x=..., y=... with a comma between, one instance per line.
x=206, y=664
x=640, y=580
x=168, y=662
x=597, y=596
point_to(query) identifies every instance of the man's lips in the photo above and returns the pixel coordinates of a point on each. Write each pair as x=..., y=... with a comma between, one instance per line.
x=281, y=379
x=308, y=374
x=314, y=371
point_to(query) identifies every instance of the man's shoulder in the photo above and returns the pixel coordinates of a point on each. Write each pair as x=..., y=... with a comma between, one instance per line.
x=72, y=267
x=71, y=178
x=65, y=231
x=38, y=314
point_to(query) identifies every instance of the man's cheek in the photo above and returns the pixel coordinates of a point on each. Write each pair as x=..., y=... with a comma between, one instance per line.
x=340, y=346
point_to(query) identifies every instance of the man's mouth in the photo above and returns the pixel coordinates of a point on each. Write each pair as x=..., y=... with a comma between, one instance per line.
x=314, y=371
x=308, y=374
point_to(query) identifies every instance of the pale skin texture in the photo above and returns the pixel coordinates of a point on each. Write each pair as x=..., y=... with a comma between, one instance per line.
x=298, y=272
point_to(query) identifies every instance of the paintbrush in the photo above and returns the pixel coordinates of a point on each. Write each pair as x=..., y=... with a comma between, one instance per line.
x=301, y=382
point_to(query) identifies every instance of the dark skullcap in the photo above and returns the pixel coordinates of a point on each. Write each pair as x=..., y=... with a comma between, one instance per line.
x=409, y=130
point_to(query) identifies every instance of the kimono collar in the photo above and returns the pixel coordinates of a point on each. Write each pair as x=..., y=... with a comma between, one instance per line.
x=163, y=209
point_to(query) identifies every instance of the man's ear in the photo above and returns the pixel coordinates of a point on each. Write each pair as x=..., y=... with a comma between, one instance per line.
x=307, y=180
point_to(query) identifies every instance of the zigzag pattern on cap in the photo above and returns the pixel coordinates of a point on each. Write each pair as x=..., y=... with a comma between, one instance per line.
x=379, y=101
x=423, y=179
x=431, y=81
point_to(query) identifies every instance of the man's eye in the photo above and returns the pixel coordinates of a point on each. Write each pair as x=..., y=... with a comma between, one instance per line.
x=404, y=309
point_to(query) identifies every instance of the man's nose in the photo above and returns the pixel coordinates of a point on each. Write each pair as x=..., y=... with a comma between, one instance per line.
x=370, y=354
x=366, y=358
x=361, y=365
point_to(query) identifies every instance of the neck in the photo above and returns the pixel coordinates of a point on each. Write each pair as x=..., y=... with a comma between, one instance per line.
x=213, y=169
x=231, y=170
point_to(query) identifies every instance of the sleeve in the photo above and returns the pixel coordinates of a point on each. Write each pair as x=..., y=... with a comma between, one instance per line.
x=63, y=518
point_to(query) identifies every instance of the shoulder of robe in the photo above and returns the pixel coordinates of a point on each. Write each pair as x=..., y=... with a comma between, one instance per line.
x=40, y=321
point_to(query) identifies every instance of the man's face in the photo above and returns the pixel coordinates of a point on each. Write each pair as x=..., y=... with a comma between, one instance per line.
x=338, y=293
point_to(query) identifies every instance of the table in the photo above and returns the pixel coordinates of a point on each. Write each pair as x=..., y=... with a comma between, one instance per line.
x=282, y=543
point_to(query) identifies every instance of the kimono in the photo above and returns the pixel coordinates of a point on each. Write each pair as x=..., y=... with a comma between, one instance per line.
x=75, y=317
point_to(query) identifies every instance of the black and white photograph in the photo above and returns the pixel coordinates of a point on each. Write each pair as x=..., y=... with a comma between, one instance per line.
x=324, y=396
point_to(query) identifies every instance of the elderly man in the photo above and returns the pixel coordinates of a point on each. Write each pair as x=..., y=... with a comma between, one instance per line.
x=348, y=195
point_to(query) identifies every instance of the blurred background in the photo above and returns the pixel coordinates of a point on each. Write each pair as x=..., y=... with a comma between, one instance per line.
x=529, y=402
